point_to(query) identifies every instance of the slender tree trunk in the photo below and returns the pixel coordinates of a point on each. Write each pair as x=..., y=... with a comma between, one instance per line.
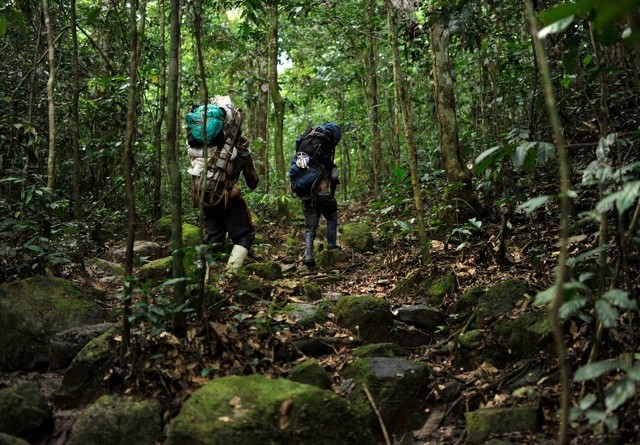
x=403, y=98
x=129, y=140
x=462, y=197
x=51, y=164
x=172, y=165
x=394, y=131
x=561, y=270
x=157, y=128
x=75, y=117
x=378, y=162
x=276, y=98
x=262, y=122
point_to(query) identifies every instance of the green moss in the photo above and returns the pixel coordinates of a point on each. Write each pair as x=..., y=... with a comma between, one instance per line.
x=440, y=287
x=499, y=299
x=312, y=291
x=269, y=270
x=366, y=316
x=484, y=422
x=312, y=373
x=255, y=410
x=358, y=236
x=191, y=235
x=378, y=350
x=525, y=335
x=306, y=315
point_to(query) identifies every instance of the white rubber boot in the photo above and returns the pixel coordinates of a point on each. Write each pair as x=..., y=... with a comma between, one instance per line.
x=237, y=257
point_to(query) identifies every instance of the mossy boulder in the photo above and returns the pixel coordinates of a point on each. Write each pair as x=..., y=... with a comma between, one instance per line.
x=255, y=410
x=304, y=314
x=421, y=316
x=366, y=316
x=118, y=421
x=524, y=336
x=498, y=300
x=377, y=350
x=311, y=373
x=358, y=236
x=83, y=381
x=473, y=339
x=268, y=270
x=157, y=270
x=190, y=232
x=331, y=258
x=143, y=251
x=106, y=267
x=394, y=383
x=427, y=287
x=32, y=311
x=25, y=412
x=249, y=289
x=467, y=302
x=65, y=345
x=481, y=424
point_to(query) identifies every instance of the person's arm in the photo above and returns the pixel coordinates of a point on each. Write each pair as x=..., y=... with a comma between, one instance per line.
x=248, y=169
x=334, y=179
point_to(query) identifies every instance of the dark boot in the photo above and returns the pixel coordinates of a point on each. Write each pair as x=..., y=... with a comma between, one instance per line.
x=308, y=251
x=332, y=234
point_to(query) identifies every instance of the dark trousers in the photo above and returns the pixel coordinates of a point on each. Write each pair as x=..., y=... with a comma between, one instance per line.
x=316, y=206
x=235, y=220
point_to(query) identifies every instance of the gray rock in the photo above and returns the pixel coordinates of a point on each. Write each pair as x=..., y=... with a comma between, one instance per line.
x=65, y=345
x=421, y=316
x=143, y=251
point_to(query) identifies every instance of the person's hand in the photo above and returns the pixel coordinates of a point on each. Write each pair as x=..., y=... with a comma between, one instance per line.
x=302, y=161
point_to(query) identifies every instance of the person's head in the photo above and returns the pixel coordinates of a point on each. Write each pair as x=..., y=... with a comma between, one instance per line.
x=334, y=131
x=226, y=104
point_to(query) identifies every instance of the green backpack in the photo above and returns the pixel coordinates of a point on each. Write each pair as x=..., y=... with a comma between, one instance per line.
x=195, y=121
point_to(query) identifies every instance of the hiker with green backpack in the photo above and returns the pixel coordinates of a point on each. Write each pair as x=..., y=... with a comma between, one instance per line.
x=314, y=178
x=225, y=211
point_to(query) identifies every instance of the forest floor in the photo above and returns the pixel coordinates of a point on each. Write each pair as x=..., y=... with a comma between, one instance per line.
x=246, y=337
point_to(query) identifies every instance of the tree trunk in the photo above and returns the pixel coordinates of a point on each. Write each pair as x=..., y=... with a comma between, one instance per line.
x=461, y=195
x=157, y=127
x=128, y=169
x=276, y=98
x=75, y=117
x=51, y=164
x=262, y=122
x=172, y=165
x=378, y=164
x=403, y=99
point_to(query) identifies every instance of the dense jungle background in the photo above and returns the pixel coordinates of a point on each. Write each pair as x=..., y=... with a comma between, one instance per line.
x=484, y=143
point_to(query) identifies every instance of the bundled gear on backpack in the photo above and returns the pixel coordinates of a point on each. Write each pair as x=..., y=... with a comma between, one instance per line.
x=225, y=150
x=195, y=124
x=315, y=152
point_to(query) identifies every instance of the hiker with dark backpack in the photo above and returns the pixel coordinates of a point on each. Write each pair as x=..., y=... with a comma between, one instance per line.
x=314, y=178
x=225, y=211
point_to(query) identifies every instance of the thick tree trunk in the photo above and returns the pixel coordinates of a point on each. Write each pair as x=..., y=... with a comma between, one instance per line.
x=403, y=99
x=276, y=99
x=462, y=197
x=51, y=163
x=172, y=165
x=378, y=164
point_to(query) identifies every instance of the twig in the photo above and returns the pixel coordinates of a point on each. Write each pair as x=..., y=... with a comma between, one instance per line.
x=375, y=409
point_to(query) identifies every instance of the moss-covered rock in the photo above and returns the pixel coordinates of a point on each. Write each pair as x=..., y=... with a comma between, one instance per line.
x=377, y=350
x=249, y=290
x=428, y=287
x=487, y=421
x=32, y=311
x=331, y=258
x=523, y=336
x=467, y=302
x=498, y=300
x=394, y=383
x=157, y=270
x=65, y=345
x=269, y=270
x=421, y=316
x=7, y=439
x=106, y=267
x=25, y=412
x=83, y=382
x=366, y=316
x=118, y=421
x=255, y=410
x=358, y=236
x=191, y=235
x=311, y=291
x=304, y=314
x=143, y=251
x=311, y=373
x=473, y=339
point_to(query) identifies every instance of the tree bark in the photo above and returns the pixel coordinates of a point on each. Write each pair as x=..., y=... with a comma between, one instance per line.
x=172, y=165
x=75, y=117
x=276, y=98
x=51, y=163
x=157, y=127
x=378, y=164
x=403, y=99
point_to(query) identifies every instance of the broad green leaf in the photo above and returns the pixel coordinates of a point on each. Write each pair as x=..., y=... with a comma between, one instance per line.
x=3, y=25
x=587, y=401
x=572, y=306
x=546, y=152
x=594, y=370
x=520, y=155
x=556, y=27
x=620, y=298
x=634, y=372
x=588, y=254
x=622, y=390
x=606, y=313
x=486, y=158
x=622, y=199
x=545, y=296
x=532, y=204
